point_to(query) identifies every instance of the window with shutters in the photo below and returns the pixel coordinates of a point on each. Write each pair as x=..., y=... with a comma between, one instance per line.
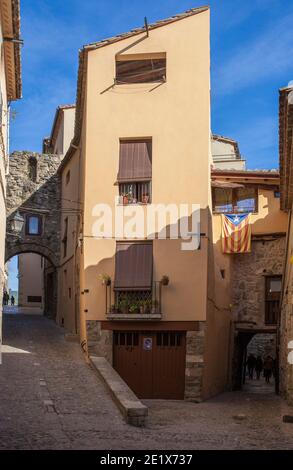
x=139, y=68
x=135, y=171
x=272, y=299
x=235, y=200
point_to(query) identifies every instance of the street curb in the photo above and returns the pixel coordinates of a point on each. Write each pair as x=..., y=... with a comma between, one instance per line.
x=134, y=412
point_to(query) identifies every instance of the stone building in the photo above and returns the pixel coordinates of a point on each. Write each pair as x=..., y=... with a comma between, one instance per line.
x=286, y=174
x=254, y=278
x=10, y=90
x=33, y=190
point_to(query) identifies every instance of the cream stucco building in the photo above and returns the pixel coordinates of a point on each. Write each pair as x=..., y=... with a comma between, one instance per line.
x=10, y=89
x=166, y=318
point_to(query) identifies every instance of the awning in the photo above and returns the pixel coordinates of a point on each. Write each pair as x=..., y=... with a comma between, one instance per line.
x=133, y=266
x=135, y=161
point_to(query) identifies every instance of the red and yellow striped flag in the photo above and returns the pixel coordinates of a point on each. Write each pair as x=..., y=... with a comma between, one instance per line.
x=236, y=233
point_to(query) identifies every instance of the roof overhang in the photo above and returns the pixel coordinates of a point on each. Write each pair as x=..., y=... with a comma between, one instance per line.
x=10, y=22
x=266, y=179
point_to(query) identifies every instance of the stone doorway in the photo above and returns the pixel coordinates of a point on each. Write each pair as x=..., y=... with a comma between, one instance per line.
x=258, y=344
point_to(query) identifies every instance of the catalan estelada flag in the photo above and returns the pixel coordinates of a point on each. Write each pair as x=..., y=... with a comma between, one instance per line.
x=236, y=233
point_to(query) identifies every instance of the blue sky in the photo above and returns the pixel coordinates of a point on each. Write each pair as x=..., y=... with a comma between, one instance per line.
x=251, y=54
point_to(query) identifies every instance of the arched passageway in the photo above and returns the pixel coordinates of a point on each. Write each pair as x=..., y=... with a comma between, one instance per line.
x=255, y=350
x=33, y=196
x=32, y=283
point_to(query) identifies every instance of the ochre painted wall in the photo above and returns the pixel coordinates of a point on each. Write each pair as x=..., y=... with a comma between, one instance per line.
x=176, y=115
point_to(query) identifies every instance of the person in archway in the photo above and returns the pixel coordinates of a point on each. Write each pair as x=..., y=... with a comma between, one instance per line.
x=258, y=366
x=251, y=362
x=268, y=368
x=5, y=298
x=12, y=301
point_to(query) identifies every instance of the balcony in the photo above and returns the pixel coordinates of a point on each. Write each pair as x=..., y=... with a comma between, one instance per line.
x=135, y=304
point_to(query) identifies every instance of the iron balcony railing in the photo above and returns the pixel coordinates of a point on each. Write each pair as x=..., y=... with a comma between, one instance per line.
x=144, y=302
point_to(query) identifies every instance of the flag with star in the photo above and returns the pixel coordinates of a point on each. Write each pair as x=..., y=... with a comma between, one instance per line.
x=236, y=233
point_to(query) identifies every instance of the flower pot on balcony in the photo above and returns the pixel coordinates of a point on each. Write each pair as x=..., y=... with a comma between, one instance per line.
x=165, y=280
x=125, y=200
x=145, y=198
x=123, y=307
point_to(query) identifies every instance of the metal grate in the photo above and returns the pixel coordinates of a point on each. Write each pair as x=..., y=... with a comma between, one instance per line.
x=133, y=193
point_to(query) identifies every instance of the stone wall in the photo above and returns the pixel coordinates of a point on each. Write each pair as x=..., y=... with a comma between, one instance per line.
x=99, y=342
x=33, y=188
x=40, y=196
x=249, y=271
x=194, y=366
x=262, y=345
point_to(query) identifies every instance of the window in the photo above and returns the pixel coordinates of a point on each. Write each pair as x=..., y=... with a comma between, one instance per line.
x=67, y=178
x=32, y=169
x=135, y=171
x=133, y=266
x=33, y=225
x=34, y=299
x=235, y=200
x=272, y=299
x=133, y=193
x=64, y=240
x=132, y=69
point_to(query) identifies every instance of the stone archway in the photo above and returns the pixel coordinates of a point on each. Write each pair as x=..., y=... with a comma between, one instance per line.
x=36, y=195
x=18, y=248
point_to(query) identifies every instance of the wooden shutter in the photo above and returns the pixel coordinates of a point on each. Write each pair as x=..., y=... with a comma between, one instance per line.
x=133, y=266
x=135, y=161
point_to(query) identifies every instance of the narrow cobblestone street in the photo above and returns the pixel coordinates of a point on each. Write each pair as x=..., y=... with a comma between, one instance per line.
x=51, y=399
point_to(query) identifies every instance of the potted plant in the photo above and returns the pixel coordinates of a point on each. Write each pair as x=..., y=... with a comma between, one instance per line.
x=142, y=305
x=145, y=198
x=148, y=306
x=124, y=306
x=132, y=308
x=165, y=280
x=125, y=199
x=106, y=279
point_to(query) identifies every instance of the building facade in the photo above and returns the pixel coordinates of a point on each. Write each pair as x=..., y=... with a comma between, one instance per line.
x=286, y=171
x=254, y=278
x=226, y=154
x=33, y=191
x=168, y=319
x=31, y=289
x=62, y=131
x=10, y=89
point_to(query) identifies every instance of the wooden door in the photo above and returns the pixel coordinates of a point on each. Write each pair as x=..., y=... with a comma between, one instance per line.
x=152, y=363
x=169, y=365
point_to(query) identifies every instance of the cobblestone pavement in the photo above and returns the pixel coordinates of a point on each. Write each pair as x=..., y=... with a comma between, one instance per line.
x=51, y=399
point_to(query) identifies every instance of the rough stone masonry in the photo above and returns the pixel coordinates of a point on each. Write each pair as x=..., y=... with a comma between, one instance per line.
x=33, y=187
